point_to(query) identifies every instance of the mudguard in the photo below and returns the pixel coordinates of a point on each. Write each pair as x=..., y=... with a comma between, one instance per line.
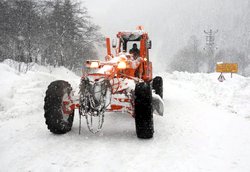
x=158, y=104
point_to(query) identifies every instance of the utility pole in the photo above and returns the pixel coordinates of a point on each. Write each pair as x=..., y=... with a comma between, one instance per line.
x=210, y=48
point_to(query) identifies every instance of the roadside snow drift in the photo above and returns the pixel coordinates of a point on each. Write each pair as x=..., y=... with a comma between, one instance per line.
x=206, y=127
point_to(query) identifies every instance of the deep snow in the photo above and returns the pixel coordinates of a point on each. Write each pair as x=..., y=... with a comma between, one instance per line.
x=205, y=127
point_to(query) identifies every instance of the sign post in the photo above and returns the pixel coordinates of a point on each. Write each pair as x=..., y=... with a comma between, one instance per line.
x=226, y=68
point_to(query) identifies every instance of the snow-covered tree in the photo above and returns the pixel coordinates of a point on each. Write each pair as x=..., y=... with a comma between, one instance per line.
x=54, y=32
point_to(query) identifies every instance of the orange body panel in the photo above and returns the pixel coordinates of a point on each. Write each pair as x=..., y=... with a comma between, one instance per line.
x=108, y=46
x=143, y=48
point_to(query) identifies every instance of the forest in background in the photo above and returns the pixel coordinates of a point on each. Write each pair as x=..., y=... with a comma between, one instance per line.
x=58, y=33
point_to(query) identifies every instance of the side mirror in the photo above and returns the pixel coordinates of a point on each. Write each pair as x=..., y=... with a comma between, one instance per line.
x=149, y=44
x=114, y=43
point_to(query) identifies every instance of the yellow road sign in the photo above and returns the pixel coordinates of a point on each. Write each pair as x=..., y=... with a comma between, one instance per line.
x=227, y=68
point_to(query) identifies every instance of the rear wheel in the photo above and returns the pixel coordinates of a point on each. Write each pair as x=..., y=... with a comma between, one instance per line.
x=158, y=86
x=144, y=111
x=58, y=119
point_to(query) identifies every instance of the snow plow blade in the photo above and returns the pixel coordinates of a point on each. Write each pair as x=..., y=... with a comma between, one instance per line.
x=158, y=104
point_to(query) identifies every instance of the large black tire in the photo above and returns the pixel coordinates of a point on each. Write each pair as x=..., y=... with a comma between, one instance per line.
x=158, y=86
x=56, y=120
x=144, y=111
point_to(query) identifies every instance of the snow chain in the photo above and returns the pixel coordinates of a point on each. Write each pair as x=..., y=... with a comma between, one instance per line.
x=93, y=99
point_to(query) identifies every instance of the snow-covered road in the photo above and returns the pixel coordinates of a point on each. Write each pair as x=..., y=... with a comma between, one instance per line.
x=195, y=133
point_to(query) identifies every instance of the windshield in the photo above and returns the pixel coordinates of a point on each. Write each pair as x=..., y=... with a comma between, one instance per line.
x=131, y=43
x=128, y=45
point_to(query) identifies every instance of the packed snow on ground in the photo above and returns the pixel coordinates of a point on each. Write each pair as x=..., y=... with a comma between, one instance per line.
x=205, y=127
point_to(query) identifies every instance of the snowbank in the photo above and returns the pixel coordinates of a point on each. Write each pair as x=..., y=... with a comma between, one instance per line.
x=233, y=94
x=22, y=93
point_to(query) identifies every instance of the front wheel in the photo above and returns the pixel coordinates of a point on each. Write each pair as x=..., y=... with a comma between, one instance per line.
x=144, y=111
x=58, y=119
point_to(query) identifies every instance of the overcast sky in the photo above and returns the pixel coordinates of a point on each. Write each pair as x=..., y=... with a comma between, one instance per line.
x=171, y=22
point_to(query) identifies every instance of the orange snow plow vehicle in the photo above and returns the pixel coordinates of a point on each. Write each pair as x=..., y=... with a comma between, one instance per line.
x=121, y=83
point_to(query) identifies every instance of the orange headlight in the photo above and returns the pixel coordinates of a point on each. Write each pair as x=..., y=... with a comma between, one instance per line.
x=92, y=64
x=122, y=65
